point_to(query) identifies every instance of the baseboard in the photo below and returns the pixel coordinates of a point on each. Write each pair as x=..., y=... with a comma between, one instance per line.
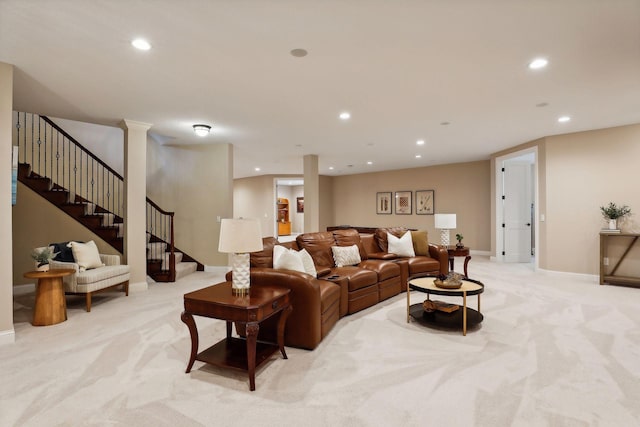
x=7, y=337
x=589, y=277
x=476, y=252
x=25, y=288
x=218, y=269
x=138, y=287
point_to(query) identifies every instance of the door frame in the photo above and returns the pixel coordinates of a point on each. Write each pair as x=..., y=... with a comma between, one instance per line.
x=499, y=237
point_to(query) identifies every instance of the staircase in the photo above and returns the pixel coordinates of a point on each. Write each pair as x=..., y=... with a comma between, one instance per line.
x=60, y=169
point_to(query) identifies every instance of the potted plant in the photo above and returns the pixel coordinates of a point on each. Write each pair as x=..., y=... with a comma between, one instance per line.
x=459, y=238
x=613, y=212
x=42, y=256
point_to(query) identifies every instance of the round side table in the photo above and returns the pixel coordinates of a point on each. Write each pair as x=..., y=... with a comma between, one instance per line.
x=454, y=252
x=51, y=306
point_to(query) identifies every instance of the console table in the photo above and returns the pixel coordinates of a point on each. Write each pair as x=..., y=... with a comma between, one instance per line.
x=238, y=353
x=605, y=240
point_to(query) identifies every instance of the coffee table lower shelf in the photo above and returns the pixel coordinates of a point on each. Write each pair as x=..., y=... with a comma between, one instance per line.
x=445, y=320
x=232, y=353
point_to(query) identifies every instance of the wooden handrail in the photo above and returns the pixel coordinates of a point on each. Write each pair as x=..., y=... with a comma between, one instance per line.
x=162, y=211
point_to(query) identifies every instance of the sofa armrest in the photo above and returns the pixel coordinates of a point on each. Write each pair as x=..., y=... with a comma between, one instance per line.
x=442, y=255
x=382, y=255
x=110, y=259
x=323, y=271
x=70, y=280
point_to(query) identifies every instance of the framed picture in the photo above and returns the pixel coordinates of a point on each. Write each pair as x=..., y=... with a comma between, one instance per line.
x=383, y=203
x=403, y=202
x=424, y=202
x=300, y=204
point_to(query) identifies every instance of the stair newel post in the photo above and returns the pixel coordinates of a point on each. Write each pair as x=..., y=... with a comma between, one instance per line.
x=172, y=255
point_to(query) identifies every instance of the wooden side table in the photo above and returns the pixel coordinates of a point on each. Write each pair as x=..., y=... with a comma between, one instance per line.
x=238, y=353
x=51, y=306
x=454, y=252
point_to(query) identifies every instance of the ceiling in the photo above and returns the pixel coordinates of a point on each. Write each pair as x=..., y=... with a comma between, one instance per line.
x=401, y=68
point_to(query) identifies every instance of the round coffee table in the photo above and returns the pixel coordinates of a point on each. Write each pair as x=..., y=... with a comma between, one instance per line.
x=463, y=316
x=51, y=306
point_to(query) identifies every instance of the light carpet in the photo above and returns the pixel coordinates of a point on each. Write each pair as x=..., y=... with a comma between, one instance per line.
x=553, y=350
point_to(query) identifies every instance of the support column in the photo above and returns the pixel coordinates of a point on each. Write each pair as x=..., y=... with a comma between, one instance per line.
x=311, y=194
x=135, y=197
x=7, y=334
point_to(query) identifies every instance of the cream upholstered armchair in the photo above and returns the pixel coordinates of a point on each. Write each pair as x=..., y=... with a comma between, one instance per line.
x=94, y=272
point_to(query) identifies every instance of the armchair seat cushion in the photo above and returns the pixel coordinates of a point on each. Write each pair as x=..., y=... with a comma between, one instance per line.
x=100, y=274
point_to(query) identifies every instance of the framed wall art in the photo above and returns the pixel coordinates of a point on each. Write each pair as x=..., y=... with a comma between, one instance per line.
x=424, y=202
x=383, y=203
x=403, y=202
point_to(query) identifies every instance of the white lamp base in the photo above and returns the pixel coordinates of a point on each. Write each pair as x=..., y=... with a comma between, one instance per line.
x=241, y=274
x=444, y=237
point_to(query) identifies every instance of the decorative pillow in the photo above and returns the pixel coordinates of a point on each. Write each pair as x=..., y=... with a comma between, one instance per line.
x=86, y=255
x=64, y=252
x=420, y=242
x=402, y=246
x=289, y=259
x=346, y=255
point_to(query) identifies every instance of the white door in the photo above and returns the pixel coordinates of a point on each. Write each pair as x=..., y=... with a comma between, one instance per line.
x=517, y=211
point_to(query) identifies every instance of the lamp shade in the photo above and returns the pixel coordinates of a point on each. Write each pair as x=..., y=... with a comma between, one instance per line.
x=240, y=236
x=445, y=221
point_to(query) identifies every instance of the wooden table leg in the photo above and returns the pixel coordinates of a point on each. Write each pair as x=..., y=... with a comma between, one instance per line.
x=281, y=324
x=187, y=318
x=479, y=303
x=252, y=336
x=51, y=305
x=464, y=313
x=466, y=262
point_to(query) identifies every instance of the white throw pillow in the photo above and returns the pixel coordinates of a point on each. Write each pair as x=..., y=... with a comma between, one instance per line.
x=346, y=255
x=86, y=255
x=307, y=261
x=287, y=259
x=402, y=246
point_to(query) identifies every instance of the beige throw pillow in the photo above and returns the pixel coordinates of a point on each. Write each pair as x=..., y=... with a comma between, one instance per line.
x=420, y=242
x=346, y=255
x=86, y=255
x=402, y=246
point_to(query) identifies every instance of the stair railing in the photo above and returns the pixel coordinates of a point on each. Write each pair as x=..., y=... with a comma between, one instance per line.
x=53, y=153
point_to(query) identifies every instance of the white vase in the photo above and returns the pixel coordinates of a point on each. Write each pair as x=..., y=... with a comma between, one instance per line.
x=612, y=224
x=44, y=267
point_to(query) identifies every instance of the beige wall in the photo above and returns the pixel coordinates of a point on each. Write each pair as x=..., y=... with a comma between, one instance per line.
x=37, y=222
x=460, y=188
x=327, y=214
x=584, y=171
x=6, y=237
x=195, y=182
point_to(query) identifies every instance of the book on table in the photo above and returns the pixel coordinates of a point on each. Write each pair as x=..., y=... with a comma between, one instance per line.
x=433, y=305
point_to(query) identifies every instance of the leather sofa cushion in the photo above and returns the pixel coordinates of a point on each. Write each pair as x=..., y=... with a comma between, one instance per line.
x=358, y=277
x=350, y=237
x=381, y=236
x=384, y=269
x=422, y=264
x=319, y=246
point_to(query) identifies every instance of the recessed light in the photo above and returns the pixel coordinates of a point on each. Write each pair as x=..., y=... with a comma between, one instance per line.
x=298, y=53
x=257, y=169
x=418, y=156
x=564, y=119
x=445, y=123
x=141, y=44
x=542, y=104
x=345, y=115
x=202, y=130
x=538, y=63
x=420, y=142
x=330, y=168
x=369, y=163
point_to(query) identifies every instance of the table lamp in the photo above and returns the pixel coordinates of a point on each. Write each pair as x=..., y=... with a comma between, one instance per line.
x=239, y=237
x=444, y=223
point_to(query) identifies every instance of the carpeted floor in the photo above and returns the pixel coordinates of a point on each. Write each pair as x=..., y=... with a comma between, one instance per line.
x=553, y=350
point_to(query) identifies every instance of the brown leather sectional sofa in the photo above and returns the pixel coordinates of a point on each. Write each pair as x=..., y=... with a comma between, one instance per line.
x=319, y=302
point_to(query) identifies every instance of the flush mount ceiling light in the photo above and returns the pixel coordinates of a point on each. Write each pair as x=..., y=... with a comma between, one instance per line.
x=538, y=63
x=257, y=169
x=418, y=156
x=420, y=142
x=564, y=119
x=345, y=115
x=202, y=130
x=141, y=44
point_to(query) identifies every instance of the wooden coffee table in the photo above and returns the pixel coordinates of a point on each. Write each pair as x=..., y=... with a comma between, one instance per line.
x=51, y=305
x=464, y=316
x=233, y=352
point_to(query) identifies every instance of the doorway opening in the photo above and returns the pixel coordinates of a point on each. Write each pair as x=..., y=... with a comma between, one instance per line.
x=517, y=207
x=289, y=208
